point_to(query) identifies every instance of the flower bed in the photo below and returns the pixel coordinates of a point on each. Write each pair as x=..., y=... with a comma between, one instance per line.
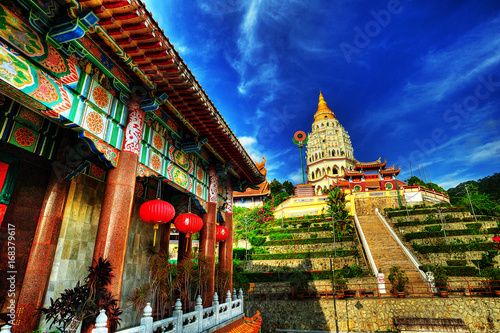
x=310, y=275
x=454, y=270
x=447, y=248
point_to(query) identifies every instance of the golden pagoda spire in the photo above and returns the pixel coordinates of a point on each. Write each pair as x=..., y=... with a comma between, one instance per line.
x=323, y=111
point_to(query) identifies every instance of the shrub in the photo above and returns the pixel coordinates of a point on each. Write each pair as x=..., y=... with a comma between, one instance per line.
x=314, y=235
x=257, y=240
x=277, y=236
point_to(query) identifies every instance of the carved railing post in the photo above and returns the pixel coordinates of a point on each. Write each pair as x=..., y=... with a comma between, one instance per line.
x=147, y=318
x=240, y=297
x=215, y=304
x=178, y=313
x=235, y=297
x=199, y=307
x=5, y=329
x=101, y=323
x=229, y=304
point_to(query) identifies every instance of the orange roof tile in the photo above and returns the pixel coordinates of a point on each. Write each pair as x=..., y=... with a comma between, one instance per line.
x=250, y=325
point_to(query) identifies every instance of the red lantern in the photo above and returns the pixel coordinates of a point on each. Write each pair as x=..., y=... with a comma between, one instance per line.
x=221, y=233
x=156, y=212
x=188, y=223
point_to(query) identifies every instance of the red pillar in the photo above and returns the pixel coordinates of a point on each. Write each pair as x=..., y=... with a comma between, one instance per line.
x=226, y=247
x=36, y=278
x=114, y=221
x=165, y=238
x=207, y=238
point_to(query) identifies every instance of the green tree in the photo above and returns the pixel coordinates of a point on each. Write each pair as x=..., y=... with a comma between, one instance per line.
x=289, y=188
x=275, y=186
x=482, y=202
x=336, y=208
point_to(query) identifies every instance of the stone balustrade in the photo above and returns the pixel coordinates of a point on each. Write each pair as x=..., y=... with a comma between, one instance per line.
x=200, y=320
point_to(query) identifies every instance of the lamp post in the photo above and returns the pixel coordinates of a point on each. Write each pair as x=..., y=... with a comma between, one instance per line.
x=472, y=207
x=442, y=224
x=332, y=266
x=246, y=239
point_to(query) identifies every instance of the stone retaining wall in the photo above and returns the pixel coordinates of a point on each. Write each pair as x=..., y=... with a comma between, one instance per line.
x=312, y=264
x=374, y=314
x=447, y=226
x=308, y=247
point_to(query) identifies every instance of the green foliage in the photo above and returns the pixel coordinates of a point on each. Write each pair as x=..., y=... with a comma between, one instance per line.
x=313, y=235
x=276, y=236
x=305, y=255
x=398, y=278
x=257, y=240
x=301, y=241
x=433, y=228
x=493, y=275
x=289, y=188
x=482, y=202
x=276, y=187
x=339, y=282
x=298, y=281
x=456, y=262
x=240, y=280
x=441, y=278
x=454, y=270
x=455, y=247
x=415, y=181
x=489, y=185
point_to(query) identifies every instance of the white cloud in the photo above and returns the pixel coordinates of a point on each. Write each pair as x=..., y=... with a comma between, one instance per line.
x=296, y=176
x=250, y=145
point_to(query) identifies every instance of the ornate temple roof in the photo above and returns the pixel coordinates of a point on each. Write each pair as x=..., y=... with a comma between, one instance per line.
x=391, y=170
x=263, y=188
x=128, y=33
x=353, y=173
x=323, y=111
x=249, y=325
x=371, y=165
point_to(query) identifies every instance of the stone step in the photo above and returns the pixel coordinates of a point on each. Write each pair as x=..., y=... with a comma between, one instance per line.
x=385, y=251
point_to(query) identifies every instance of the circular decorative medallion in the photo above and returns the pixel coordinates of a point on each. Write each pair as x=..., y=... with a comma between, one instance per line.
x=100, y=96
x=96, y=171
x=300, y=136
x=24, y=137
x=388, y=186
x=94, y=122
x=357, y=188
x=158, y=142
x=156, y=162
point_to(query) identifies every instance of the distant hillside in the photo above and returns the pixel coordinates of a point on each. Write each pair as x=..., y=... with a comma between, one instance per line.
x=488, y=185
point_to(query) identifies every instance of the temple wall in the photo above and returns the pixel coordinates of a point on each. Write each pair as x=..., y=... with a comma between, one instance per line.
x=140, y=239
x=365, y=206
x=75, y=246
x=369, y=314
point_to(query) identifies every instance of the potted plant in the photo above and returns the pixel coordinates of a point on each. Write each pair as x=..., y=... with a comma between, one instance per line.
x=493, y=275
x=441, y=280
x=81, y=305
x=399, y=280
x=339, y=284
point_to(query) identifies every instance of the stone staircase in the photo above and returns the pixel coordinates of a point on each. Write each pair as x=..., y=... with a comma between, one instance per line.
x=387, y=253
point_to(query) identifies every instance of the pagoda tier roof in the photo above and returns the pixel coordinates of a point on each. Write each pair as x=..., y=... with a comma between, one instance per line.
x=262, y=190
x=371, y=165
x=391, y=170
x=128, y=33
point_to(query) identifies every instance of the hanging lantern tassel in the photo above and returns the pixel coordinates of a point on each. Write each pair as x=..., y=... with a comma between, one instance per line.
x=188, y=224
x=156, y=212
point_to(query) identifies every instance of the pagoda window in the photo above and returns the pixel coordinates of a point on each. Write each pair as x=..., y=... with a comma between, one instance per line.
x=342, y=153
x=335, y=170
x=343, y=170
x=333, y=152
x=329, y=171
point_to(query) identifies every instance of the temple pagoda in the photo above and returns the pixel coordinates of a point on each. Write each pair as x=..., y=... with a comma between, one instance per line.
x=329, y=150
x=254, y=196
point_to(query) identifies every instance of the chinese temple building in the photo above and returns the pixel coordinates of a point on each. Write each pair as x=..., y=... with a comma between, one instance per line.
x=256, y=196
x=331, y=163
x=99, y=114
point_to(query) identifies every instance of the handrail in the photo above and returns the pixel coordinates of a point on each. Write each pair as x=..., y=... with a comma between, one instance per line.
x=365, y=245
x=414, y=260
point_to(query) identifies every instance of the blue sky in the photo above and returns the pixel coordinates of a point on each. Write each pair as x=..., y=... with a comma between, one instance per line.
x=409, y=80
